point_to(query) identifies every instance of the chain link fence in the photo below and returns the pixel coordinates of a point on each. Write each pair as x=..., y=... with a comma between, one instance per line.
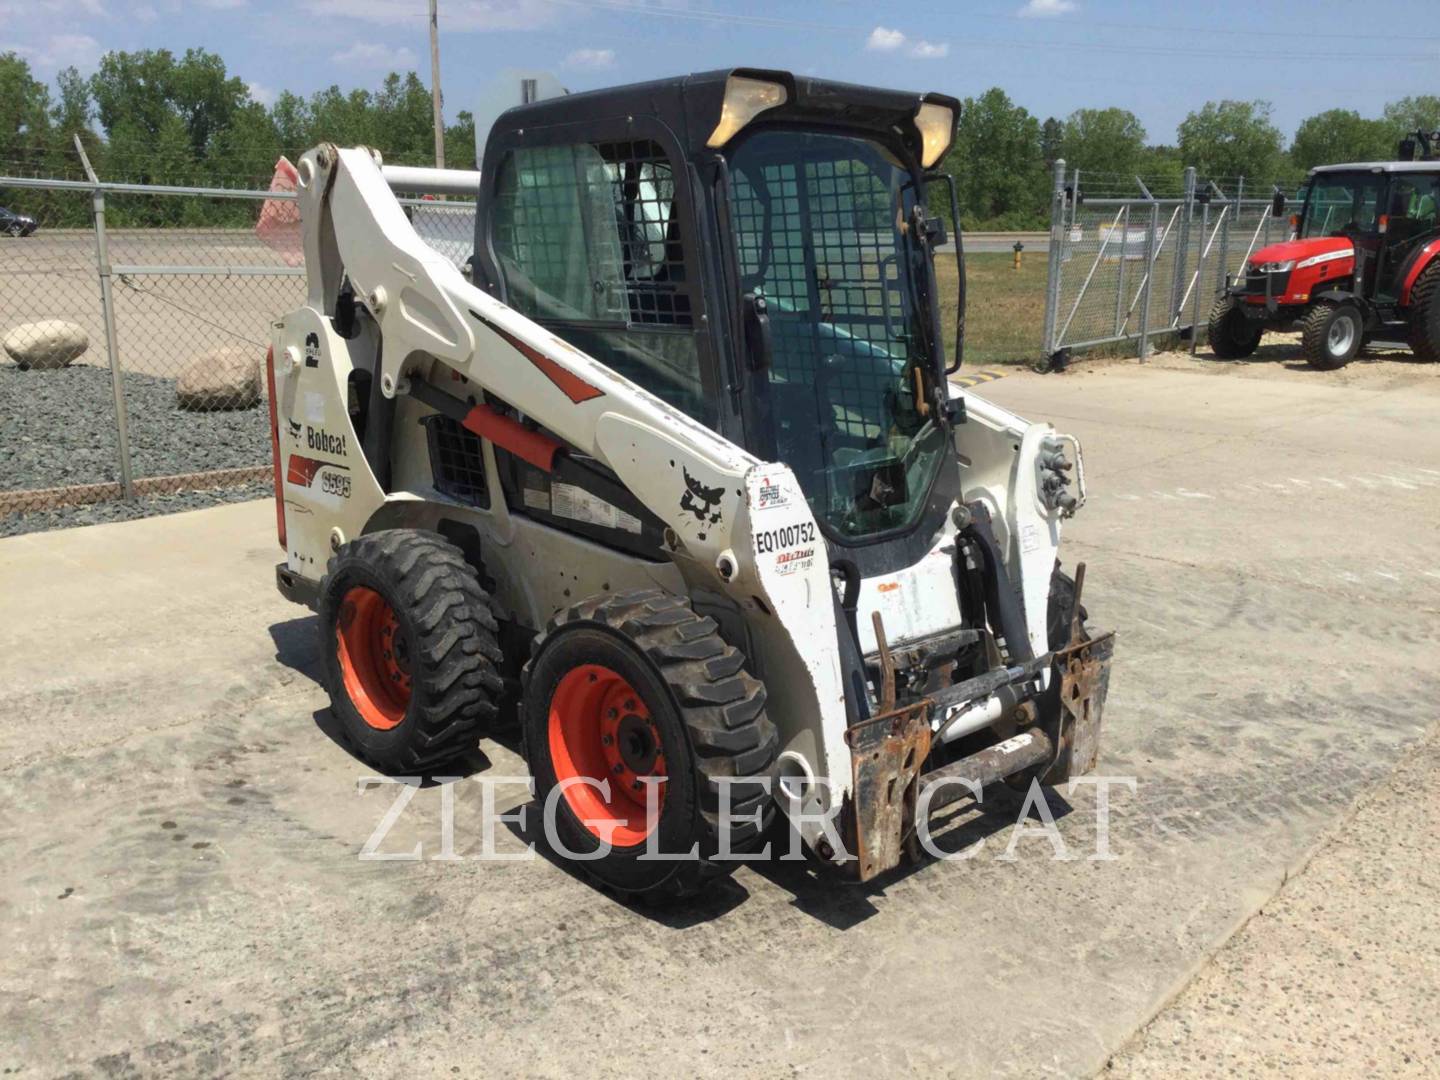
x=1126, y=268
x=135, y=340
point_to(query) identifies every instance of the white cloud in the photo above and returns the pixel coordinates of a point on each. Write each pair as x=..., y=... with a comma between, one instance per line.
x=884, y=40
x=454, y=14
x=1047, y=9
x=263, y=94
x=59, y=51
x=930, y=50
x=591, y=59
x=144, y=13
x=368, y=54
x=46, y=8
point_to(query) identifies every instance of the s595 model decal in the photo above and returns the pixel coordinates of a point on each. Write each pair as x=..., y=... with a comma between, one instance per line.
x=334, y=480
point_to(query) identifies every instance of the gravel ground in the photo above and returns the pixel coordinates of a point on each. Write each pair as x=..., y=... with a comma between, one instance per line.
x=57, y=428
x=98, y=513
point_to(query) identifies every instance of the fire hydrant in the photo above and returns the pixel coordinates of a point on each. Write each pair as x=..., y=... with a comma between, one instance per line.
x=1018, y=249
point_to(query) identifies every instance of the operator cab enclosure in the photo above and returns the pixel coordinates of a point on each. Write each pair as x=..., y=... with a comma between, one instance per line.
x=752, y=248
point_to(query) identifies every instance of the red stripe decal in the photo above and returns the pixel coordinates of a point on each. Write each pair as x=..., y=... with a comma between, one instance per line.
x=539, y=450
x=574, y=387
x=302, y=470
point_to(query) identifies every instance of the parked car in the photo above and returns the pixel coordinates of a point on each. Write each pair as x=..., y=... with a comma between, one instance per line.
x=13, y=224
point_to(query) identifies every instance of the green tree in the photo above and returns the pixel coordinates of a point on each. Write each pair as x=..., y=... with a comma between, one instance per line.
x=144, y=90
x=460, y=142
x=24, y=115
x=997, y=164
x=245, y=153
x=1052, y=132
x=1340, y=135
x=1110, y=141
x=1163, y=171
x=1418, y=113
x=1227, y=139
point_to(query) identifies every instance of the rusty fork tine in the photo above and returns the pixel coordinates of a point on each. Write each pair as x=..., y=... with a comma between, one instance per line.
x=887, y=664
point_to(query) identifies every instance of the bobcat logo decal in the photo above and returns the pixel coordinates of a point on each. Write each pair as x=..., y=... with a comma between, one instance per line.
x=701, y=500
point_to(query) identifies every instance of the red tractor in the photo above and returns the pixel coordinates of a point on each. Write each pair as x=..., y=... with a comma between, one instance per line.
x=1364, y=263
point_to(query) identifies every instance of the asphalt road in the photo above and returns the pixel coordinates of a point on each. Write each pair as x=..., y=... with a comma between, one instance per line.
x=183, y=890
x=980, y=242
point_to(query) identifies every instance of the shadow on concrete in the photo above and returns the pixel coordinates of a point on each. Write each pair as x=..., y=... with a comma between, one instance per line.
x=463, y=766
x=297, y=646
x=818, y=891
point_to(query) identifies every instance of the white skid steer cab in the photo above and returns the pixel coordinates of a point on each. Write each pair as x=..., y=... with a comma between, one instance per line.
x=674, y=465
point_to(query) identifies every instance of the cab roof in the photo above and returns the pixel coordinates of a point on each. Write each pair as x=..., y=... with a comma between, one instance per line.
x=1380, y=166
x=690, y=105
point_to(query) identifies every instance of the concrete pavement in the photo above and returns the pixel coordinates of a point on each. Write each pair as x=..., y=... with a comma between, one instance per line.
x=183, y=892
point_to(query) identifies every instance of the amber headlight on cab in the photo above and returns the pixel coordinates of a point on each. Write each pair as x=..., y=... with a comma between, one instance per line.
x=936, y=124
x=745, y=99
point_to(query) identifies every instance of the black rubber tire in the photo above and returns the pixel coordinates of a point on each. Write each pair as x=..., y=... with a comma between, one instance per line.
x=1315, y=334
x=450, y=630
x=711, y=717
x=1425, y=314
x=1231, y=335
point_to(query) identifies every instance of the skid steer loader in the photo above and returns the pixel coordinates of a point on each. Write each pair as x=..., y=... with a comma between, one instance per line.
x=675, y=463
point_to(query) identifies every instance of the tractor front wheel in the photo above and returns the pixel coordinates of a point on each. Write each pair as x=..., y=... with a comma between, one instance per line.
x=409, y=648
x=1425, y=314
x=641, y=724
x=1232, y=336
x=1331, y=334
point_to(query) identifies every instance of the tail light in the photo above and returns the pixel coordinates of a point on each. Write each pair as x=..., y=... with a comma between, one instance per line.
x=275, y=448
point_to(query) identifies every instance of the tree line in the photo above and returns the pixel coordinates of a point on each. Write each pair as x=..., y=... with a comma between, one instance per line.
x=154, y=117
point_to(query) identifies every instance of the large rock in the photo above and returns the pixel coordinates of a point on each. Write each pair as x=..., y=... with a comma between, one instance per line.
x=46, y=345
x=227, y=378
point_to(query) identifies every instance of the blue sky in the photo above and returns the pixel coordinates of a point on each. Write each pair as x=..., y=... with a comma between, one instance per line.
x=1053, y=56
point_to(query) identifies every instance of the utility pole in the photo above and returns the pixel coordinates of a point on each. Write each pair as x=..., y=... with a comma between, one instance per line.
x=435, y=83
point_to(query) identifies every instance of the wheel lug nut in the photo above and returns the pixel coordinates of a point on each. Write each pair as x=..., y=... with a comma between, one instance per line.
x=608, y=740
x=636, y=785
x=611, y=714
x=618, y=769
x=630, y=704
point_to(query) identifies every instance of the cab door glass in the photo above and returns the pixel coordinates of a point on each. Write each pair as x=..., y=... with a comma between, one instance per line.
x=590, y=245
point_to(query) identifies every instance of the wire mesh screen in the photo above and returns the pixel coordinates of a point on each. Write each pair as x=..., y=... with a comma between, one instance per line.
x=818, y=240
x=193, y=308
x=57, y=416
x=457, y=461
x=1130, y=267
x=196, y=278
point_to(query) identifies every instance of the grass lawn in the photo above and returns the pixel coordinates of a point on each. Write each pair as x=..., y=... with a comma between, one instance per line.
x=1005, y=308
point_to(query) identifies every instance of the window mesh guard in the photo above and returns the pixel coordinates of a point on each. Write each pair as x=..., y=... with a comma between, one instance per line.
x=456, y=460
x=843, y=327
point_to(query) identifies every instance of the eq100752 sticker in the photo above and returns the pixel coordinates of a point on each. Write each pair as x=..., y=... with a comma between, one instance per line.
x=773, y=540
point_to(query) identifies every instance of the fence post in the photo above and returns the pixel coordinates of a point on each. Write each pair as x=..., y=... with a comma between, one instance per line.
x=1199, y=276
x=107, y=311
x=1182, y=251
x=1223, y=266
x=1121, y=315
x=1150, y=257
x=1055, y=261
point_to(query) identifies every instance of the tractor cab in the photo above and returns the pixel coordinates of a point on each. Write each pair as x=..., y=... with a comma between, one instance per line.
x=753, y=248
x=1363, y=236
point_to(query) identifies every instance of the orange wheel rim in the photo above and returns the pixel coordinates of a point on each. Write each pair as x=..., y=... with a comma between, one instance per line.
x=374, y=658
x=606, y=749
